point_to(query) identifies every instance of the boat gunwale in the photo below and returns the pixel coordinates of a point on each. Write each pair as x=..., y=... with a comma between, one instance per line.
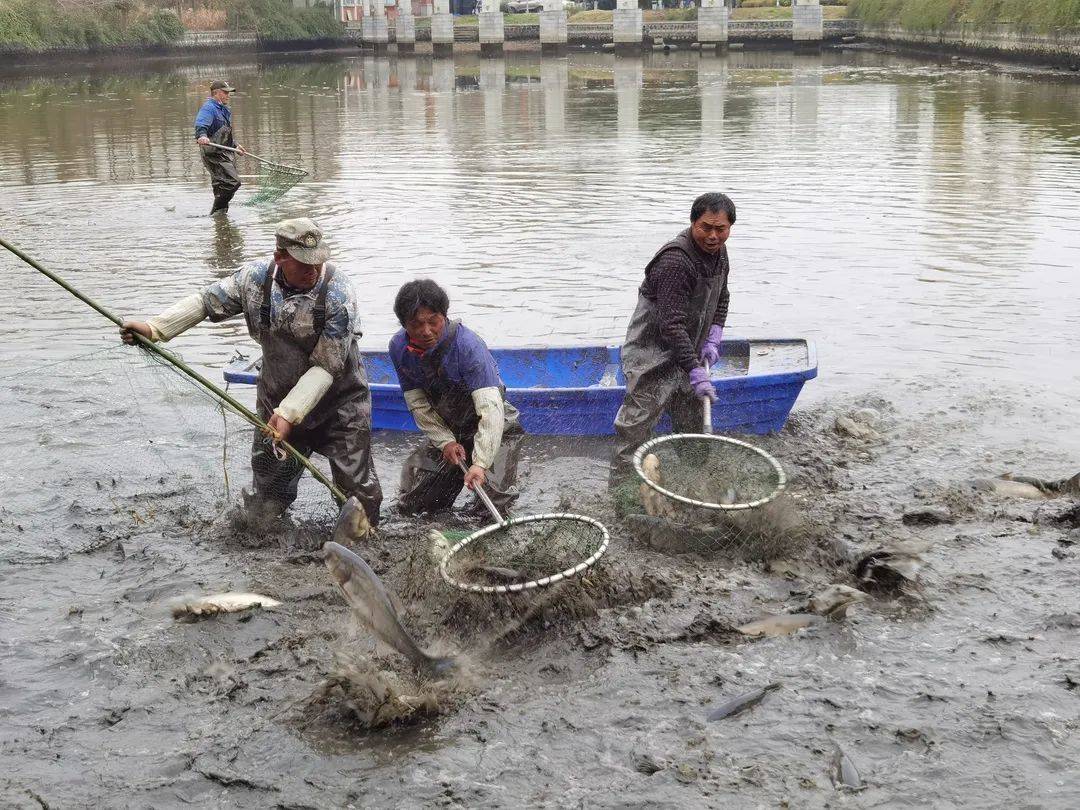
x=804, y=371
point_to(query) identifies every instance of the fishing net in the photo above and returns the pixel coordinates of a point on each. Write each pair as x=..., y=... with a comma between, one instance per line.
x=275, y=180
x=524, y=553
x=709, y=472
x=115, y=447
x=708, y=494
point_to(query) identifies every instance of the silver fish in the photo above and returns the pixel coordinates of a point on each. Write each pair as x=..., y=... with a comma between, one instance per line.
x=368, y=597
x=232, y=602
x=741, y=703
x=845, y=774
x=783, y=625
x=834, y=601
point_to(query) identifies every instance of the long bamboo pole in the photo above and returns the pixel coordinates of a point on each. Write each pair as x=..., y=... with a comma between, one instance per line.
x=183, y=367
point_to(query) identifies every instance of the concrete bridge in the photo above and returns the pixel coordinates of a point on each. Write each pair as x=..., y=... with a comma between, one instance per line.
x=628, y=32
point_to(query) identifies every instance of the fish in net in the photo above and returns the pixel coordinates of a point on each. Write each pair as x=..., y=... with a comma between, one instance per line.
x=524, y=553
x=704, y=493
x=709, y=472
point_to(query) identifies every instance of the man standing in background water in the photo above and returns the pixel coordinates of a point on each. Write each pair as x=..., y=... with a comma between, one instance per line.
x=213, y=125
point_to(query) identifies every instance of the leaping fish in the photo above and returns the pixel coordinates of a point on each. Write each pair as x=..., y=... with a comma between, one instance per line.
x=368, y=597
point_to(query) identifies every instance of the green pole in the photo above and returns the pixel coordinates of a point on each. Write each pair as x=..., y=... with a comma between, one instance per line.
x=183, y=367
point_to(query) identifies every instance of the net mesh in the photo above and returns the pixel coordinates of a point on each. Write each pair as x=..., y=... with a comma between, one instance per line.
x=528, y=550
x=712, y=470
x=719, y=472
x=112, y=444
x=275, y=180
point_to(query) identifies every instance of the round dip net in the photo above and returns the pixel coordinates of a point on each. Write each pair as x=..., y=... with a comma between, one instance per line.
x=525, y=552
x=275, y=180
x=708, y=472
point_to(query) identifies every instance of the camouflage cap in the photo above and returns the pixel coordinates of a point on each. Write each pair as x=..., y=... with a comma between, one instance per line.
x=221, y=84
x=303, y=240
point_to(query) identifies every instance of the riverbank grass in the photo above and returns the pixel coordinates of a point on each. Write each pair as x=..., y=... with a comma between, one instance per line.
x=935, y=15
x=44, y=24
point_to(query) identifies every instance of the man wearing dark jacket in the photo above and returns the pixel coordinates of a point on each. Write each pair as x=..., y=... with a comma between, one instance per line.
x=675, y=331
x=213, y=125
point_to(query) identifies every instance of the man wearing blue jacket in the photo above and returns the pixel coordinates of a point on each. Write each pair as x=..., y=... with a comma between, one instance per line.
x=452, y=387
x=213, y=125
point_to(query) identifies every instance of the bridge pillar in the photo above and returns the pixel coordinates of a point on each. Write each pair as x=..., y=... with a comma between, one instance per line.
x=380, y=32
x=553, y=27
x=367, y=22
x=492, y=34
x=807, y=23
x=628, y=28
x=405, y=28
x=442, y=29
x=712, y=25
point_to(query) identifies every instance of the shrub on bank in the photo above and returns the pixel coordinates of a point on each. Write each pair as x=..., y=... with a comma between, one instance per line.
x=39, y=24
x=934, y=15
x=277, y=19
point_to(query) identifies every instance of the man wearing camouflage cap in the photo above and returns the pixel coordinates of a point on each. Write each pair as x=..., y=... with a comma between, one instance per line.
x=312, y=391
x=213, y=125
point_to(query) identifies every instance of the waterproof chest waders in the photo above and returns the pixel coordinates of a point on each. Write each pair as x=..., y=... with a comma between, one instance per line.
x=224, y=179
x=654, y=382
x=428, y=482
x=338, y=428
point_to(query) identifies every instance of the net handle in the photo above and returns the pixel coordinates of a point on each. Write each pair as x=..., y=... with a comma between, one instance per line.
x=641, y=452
x=245, y=153
x=706, y=405
x=483, y=496
x=581, y=567
x=264, y=161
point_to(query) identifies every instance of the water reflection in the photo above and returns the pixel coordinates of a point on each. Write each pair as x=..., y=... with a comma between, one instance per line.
x=229, y=249
x=888, y=208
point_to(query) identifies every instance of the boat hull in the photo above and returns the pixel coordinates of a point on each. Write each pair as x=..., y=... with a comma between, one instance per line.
x=577, y=391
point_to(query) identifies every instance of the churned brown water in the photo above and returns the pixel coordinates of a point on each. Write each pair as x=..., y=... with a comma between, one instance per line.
x=919, y=221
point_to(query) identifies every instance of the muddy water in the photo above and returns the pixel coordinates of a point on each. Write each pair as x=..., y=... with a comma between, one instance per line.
x=919, y=222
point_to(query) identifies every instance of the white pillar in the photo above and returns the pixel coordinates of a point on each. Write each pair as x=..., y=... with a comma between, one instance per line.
x=627, y=26
x=380, y=33
x=807, y=22
x=492, y=34
x=553, y=26
x=367, y=21
x=712, y=23
x=405, y=27
x=442, y=29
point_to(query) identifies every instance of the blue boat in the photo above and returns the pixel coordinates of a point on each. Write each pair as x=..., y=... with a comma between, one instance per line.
x=577, y=391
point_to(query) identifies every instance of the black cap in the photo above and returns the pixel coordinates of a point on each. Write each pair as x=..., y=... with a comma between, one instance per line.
x=221, y=84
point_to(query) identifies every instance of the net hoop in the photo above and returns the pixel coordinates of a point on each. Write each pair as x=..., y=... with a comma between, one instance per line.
x=284, y=168
x=643, y=451
x=532, y=583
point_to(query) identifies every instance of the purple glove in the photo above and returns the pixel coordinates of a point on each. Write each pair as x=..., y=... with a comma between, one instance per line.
x=710, y=349
x=702, y=384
